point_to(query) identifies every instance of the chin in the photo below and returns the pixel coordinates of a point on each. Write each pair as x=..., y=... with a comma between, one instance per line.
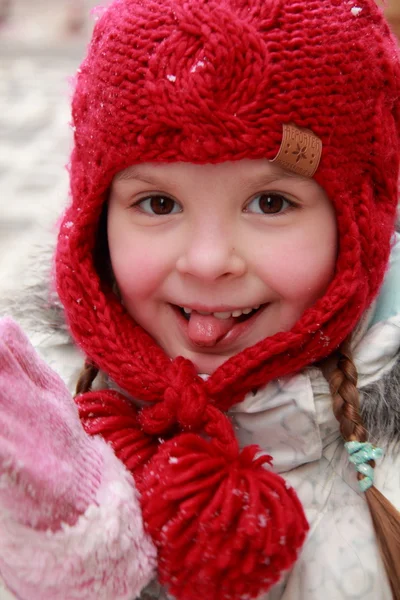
x=206, y=364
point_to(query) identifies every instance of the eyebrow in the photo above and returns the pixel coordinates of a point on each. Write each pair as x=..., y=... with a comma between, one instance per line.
x=261, y=179
x=269, y=178
x=134, y=173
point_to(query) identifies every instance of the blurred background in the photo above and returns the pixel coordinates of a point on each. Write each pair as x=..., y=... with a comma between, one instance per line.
x=41, y=45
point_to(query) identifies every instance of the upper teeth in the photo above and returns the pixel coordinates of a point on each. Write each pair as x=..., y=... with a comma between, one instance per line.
x=224, y=315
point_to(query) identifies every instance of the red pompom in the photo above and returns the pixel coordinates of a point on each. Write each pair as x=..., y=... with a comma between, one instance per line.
x=225, y=528
x=111, y=415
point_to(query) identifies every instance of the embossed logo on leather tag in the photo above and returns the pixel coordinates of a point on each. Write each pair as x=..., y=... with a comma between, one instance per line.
x=300, y=151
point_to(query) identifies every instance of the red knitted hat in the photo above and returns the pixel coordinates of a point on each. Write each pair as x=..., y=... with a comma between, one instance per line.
x=212, y=81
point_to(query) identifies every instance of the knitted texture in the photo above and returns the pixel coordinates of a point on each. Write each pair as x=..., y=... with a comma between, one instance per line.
x=50, y=470
x=213, y=81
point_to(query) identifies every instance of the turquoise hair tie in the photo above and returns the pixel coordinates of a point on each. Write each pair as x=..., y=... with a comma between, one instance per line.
x=360, y=454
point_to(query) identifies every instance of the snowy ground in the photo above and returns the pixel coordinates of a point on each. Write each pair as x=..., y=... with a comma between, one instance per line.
x=38, y=55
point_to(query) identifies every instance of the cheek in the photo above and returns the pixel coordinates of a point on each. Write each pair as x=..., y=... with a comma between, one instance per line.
x=137, y=264
x=301, y=265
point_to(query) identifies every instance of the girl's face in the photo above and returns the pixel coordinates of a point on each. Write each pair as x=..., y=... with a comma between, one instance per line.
x=211, y=259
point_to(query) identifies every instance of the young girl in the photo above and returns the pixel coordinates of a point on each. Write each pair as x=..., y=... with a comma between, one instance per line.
x=229, y=268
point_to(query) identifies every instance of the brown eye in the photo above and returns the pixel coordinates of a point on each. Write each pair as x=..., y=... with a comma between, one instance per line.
x=159, y=205
x=269, y=204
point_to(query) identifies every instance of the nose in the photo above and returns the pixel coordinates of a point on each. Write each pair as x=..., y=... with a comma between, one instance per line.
x=210, y=254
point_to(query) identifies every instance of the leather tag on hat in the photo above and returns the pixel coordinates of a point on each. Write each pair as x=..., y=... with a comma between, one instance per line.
x=300, y=151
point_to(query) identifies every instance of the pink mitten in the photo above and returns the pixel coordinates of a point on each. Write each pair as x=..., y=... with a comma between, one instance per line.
x=50, y=469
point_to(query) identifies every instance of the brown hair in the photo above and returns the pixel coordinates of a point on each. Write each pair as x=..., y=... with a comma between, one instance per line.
x=102, y=262
x=86, y=377
x=346, y=407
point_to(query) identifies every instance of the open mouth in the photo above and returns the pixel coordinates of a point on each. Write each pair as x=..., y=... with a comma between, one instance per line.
x=211, y=328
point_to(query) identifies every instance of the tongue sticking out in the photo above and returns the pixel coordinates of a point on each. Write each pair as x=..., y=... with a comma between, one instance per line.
x=207, y=330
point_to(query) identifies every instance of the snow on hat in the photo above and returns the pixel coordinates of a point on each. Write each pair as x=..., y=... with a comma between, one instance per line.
x=208, y=81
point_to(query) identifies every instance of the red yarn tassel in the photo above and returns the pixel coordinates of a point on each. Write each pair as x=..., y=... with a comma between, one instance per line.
x=111, y=415
x=215, y=520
